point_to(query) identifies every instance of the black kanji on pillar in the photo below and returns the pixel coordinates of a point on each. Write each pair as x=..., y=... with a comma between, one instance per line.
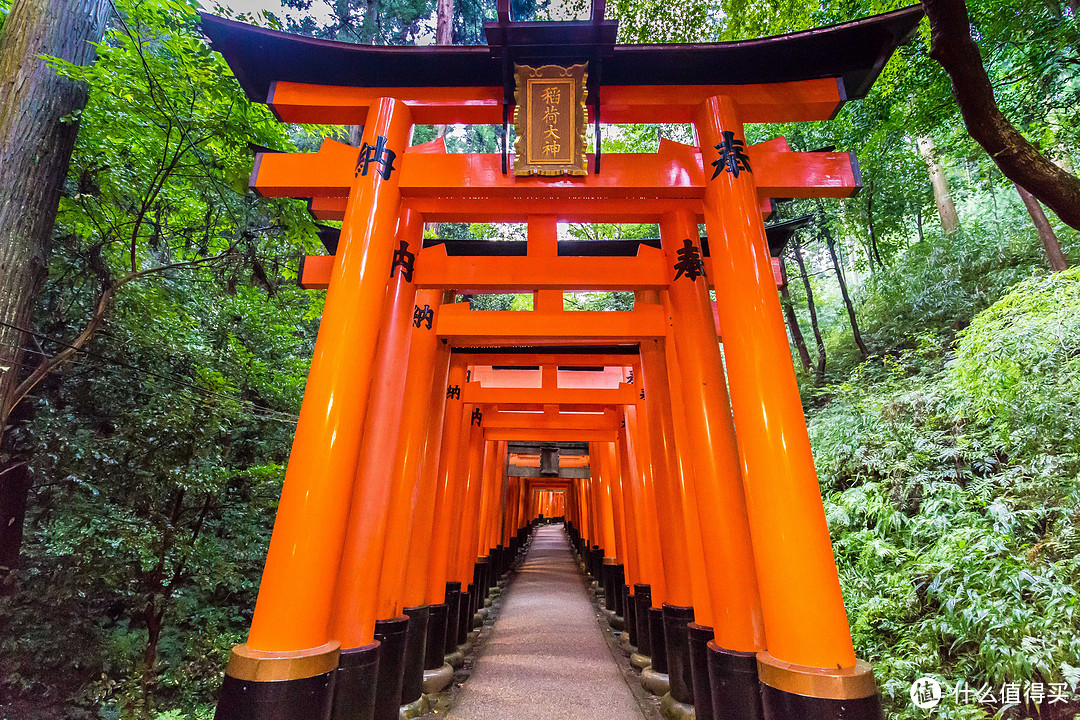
x=421, y=317
x=689, y=263
x=378, y=154
x=733, y=157
x=403, y=259
x=477, y=416
x=453, y=392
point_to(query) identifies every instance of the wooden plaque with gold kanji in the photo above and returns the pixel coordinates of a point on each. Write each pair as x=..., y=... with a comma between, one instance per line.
x=550, y=120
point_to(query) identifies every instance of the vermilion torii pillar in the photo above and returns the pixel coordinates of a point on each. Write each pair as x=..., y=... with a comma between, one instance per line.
x=290, y=638
x=810, y=662
x=736, y=622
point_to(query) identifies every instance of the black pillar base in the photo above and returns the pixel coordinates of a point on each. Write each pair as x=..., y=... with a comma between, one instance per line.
x=412, y=679
x=355, y=682
x=677, y=641
x=608, y=574
x=435, y=647
x=278, y=700
x=476, y=587
x=795, y=692
x=618, y=580
x=453, y=609
x=734, y=684
x=642, y=602
x=657, y=643
x=465, y=613
x=392, y=635
x=700, y=636
x=630, y=616
x=780, y=705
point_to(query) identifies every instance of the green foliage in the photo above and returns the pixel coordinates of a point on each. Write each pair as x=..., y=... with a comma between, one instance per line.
x=951, y=489
x=1018, y=366
x=401, y=22
x=158, y=451
x=158, y=462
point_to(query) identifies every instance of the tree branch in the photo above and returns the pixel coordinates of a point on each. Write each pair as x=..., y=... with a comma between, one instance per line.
x=47, y=365
x=1020, y=161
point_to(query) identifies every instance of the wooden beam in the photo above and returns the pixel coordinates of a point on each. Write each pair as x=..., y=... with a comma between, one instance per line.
x=769, y=102
x=624, y=395
x=523, y=435
x=461, y=326
x=542, y=357
x=500, y=420
x=492, y=274
x=449, y=180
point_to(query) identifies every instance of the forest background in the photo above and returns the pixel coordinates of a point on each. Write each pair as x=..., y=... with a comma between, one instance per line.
x=938, y=356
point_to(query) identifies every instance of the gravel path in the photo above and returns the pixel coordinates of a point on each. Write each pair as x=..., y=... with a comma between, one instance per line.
x=546, y=659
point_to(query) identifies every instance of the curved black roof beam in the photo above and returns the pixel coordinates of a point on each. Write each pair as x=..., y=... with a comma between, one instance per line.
x=854, y=51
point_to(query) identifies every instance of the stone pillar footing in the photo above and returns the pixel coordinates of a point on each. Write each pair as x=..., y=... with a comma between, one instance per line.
x=414, y=709
x=672, y=709
x=437, y=680
x=655, y=682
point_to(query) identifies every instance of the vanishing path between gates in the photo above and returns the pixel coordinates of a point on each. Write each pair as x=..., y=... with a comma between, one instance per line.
x=547, y=658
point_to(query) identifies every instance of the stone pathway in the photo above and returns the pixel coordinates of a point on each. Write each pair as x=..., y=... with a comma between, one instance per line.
x=546, y=659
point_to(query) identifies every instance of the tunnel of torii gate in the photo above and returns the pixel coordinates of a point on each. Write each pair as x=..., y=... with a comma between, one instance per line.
x=432, y=438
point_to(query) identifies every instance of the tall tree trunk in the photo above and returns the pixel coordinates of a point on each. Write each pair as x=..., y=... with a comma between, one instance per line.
x=820, y=370
x=148, y=683
x=844, y=292
x=793, y=321
x=942, y=194
x=35, y=149
x=356, y=134
x=918, y=223
x=14, y=488
x=952, y=46
x=444, y=22
x=1049, y=240
x=444, y=35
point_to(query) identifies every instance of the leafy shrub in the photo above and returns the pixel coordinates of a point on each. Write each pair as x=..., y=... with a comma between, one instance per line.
x=952, y=495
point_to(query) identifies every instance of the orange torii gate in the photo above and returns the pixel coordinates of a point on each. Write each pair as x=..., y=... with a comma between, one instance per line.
x=398, y=511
